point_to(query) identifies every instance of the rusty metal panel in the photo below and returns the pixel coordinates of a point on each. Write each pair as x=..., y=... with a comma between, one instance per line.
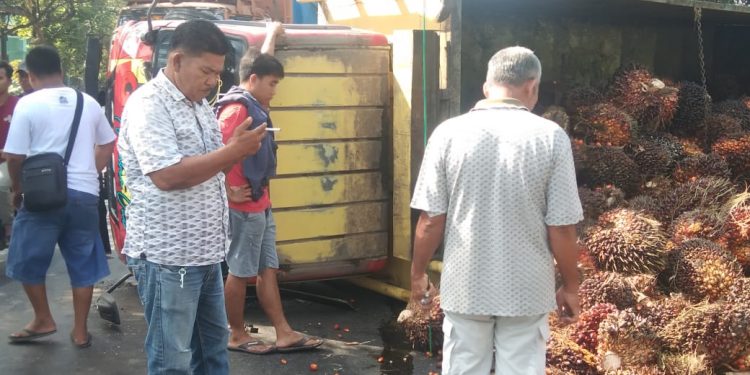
x=338, y=61
x=328, y=124
x=350, y=247
x=328, y=157
x=331, y=221
x=336, y=91
x=327, y=189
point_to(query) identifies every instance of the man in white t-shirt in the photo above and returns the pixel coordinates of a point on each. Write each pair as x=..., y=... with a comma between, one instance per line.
x=498, y=184
x=42, y=123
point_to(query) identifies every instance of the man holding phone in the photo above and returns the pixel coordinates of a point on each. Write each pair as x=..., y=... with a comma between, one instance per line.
x=252, y=251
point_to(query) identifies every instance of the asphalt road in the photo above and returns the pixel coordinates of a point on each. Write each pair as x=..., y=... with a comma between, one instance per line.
x=119, y=349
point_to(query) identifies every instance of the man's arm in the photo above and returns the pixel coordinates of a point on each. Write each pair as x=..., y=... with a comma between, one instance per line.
x=427, y=238
x=15, y=162
x=273, y=30
x=563, y=242
x=103, y=154
x=195, y=170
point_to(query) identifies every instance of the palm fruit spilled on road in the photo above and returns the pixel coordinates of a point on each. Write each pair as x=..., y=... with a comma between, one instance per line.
x=701, y=166
x=586, y=329
x=603, y=124
x=606, y=287
x=686, y=364
x=720, y=331
x=649, y=100
x=564, y=355
x=604, y=166
x=652, y=158
x=736, y=109
x=736, y=151
x=736, y=236
x=581, y=96
x=559, y=116
x=704, y=223
x=703, y=270
x=637, y=370
x=626, y=339
x=719, y=126
x=701, y=193
x=693, y=104
x=662, y=311
x=627, y=241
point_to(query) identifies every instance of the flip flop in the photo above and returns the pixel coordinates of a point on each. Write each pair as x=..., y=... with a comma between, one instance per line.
x=247, y=348
x=29, y=335
x=83, y=345
x=299, y=345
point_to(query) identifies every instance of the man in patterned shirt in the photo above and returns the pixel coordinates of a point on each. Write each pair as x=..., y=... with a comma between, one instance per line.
x=498, y=184
x=172, y=151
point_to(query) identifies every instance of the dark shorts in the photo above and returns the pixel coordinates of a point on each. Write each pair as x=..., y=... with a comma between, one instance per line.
x=74, y=227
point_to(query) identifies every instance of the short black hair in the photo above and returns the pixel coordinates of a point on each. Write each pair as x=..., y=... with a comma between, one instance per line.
x=199, y=36
x=262, y=65
x=8, y=69
x=43, y=61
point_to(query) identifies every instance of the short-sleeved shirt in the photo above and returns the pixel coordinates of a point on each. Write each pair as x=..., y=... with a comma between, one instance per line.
x=42, y=122
x=6, y=114
x=186, y=227
x=501, y=175
x=230, y=117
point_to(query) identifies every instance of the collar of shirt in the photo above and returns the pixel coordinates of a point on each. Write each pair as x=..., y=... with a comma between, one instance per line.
x=165, y=83
x=504, y=103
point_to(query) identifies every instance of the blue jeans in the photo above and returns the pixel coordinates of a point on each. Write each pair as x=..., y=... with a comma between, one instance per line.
x=187, y=322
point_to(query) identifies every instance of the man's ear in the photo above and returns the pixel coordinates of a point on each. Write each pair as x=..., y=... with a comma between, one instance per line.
x=486, y=89
x=177, y=58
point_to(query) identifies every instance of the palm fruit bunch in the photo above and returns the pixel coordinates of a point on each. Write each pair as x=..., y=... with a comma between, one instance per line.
x=736, y=151
x=739, y=293
x=645, y=204
x=586, y=329
x=703, y=270
x=628, y=242
x=719, y=126
x=582, y=96
x=701, y=166
x=559, y=116
x=423, y=327
x=742, y=363
x=690, y=147
x=658, y=186
x=649, y=100
x=637, y=370
x=736, y=109
x=686, y=364
x=652, y=158
x=661, y=312
x=580, y=153
x=693, y=103
x=720, y=331
x=671, y=143
x=604, y=166
x=604, y=124
x=706, y=224
x=626, y=339
x=606, y=287
x=736, y=236
x=566, y=357
x=596, y=201
x=701, y=193
x=644, y=286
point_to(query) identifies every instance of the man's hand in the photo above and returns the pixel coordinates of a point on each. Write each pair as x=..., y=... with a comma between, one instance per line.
x=274, y=28
x=239, y=194
x=422, y=291
x=16, y=198
x=568, y=305
x=247, y=141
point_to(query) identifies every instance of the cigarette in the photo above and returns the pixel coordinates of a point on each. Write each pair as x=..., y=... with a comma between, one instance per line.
x=273, y=129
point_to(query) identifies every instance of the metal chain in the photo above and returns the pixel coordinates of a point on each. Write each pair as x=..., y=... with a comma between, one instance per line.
x=701, y=57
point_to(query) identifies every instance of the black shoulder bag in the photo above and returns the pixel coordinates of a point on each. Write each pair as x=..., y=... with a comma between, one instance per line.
x=44, y=177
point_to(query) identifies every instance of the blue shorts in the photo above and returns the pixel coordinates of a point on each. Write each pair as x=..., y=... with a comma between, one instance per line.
x=74, y=227
x=253, y=246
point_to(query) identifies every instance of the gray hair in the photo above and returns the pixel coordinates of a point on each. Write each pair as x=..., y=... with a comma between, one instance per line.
x=513, y=66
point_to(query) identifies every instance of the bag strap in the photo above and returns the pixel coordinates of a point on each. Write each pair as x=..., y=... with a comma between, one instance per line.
x=74, y=126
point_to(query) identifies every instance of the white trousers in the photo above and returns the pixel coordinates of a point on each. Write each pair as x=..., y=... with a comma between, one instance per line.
x=520, y=344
